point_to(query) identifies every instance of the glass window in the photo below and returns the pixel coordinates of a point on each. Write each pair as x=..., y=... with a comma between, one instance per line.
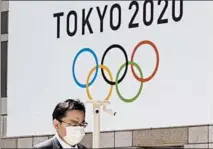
x=4, y=69
x=4, y=22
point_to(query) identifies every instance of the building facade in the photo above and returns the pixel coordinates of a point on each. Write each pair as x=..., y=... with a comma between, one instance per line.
x=183, y=136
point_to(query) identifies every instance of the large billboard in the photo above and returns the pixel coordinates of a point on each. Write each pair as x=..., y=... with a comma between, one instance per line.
x=152, y=59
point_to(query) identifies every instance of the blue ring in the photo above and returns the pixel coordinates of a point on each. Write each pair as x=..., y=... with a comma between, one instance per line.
x=73, y=67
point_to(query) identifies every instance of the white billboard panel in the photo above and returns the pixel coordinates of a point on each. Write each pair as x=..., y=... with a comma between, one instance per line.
x=53, y=47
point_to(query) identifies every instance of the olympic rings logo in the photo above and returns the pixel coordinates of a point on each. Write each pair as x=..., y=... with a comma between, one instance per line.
x=118, y=80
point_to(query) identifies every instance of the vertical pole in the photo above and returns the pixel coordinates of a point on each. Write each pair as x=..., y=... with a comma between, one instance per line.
x=96, y=125
x=96, y=135
x=1, y=123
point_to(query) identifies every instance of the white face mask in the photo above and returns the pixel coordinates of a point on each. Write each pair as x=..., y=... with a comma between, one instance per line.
x=74, y=135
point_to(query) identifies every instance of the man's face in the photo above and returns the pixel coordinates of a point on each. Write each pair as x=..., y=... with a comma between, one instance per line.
x=72, y=118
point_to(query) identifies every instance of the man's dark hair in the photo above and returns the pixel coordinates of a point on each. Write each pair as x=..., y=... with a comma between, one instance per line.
x=62, y=108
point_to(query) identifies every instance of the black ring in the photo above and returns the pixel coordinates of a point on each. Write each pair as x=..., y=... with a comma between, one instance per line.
x=102, y=62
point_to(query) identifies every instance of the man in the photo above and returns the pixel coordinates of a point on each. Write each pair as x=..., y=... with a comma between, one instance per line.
x=69, y=122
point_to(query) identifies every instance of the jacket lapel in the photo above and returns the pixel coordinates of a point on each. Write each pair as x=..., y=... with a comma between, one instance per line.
x=56, y=143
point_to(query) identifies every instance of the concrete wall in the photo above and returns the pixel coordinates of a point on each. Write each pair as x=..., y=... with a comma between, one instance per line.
x=186, y=136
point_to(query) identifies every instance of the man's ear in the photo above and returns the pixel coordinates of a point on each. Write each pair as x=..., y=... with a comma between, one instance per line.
x=56, y=124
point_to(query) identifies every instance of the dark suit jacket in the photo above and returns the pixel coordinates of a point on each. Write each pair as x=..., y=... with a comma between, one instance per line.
x=53, y=143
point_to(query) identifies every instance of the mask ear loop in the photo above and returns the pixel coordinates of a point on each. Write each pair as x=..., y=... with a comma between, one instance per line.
x=57, y=128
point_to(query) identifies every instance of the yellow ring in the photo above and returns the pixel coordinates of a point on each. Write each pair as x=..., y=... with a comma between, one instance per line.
x=88, y=78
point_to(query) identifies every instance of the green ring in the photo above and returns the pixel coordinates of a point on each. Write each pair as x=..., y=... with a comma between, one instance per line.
x=116, y=82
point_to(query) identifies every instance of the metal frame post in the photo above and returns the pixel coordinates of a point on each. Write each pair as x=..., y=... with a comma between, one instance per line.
x=96, y=125
x=1, y=131
x=96, y=120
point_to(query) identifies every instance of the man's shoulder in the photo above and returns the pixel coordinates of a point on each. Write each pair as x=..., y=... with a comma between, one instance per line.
x=50, y=144
x=45, y=144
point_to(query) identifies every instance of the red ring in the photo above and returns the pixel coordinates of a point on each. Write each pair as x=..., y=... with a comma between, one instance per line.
x=157, y=62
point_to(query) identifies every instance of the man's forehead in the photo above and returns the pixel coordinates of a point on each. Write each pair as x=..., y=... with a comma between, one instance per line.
x=75, y=113
x=75, y=116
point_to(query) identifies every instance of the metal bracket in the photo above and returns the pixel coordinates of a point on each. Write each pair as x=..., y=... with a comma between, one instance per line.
x=97, y=104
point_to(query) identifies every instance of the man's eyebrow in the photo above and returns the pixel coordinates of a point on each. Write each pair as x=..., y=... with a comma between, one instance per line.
x=73, y=121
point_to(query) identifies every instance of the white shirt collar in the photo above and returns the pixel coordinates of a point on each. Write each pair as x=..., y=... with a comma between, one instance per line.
x=63, y=144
